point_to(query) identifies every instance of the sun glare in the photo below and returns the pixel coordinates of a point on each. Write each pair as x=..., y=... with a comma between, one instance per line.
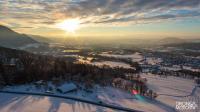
x=70, y=25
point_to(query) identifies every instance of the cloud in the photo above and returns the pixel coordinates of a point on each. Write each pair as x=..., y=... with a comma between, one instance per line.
x=46, y=12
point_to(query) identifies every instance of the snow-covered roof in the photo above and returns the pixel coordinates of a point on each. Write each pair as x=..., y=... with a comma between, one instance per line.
x=67, y=87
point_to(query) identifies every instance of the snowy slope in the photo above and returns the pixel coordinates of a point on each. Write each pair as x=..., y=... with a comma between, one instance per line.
x=23, y=103
x=170, y=90
x=173, y=89
x=118, y=97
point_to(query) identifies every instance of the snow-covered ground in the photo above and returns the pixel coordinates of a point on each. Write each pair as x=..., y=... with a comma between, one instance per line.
x=153, y=61
x=190, y=68
x=101, y=63
x=112, y=64
x=178, y=67
x=170, y=90
x=136, y=57
x=173, y=89
x=174, y=68
x=120, y=98
x=28, y=103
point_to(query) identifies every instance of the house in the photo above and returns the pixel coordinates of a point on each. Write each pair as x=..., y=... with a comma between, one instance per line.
x=66, y=88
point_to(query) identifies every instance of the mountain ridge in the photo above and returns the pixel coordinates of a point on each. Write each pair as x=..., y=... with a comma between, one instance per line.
x=11, y=39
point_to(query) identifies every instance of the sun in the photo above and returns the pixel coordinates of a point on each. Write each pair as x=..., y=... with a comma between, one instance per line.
x=70, y=25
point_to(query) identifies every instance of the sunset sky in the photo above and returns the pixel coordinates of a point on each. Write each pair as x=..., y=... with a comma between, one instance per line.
x=107, y=18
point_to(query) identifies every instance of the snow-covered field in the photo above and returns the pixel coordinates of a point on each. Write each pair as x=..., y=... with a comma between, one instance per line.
x=170, y=90
x=112, y=64
x=173, y=89
x=136, y=57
